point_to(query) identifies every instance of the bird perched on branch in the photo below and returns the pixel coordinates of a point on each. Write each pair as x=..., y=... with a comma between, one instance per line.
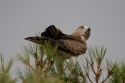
x=74, y=44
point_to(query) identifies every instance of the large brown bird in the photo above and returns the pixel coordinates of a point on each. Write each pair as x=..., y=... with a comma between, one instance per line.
x=74, y=44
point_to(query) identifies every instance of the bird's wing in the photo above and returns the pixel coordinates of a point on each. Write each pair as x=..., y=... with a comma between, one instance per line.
x=56, y=34
x=70, y=37
x=68, y=45
x=72, y=46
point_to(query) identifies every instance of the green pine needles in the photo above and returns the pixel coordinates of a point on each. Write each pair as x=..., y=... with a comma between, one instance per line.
x=46, y=64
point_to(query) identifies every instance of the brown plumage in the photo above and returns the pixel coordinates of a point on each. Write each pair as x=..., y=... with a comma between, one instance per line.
x=74, y=44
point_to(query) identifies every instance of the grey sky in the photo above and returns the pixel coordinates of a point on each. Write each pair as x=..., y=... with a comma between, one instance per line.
x=22, y=18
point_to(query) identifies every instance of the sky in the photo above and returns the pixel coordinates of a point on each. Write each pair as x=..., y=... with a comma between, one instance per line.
x=24, y=18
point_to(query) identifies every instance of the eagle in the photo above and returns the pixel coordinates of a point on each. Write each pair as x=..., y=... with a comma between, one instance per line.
x=74, y=44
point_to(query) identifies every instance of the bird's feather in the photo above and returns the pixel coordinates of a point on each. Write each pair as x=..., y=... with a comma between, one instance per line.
x=72, y=44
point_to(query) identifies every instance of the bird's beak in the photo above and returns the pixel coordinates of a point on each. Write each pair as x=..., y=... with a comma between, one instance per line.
x=87, y=32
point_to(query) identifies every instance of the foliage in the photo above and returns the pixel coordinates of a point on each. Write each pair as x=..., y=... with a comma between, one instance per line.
x=43, y=64
x=94, y=65
x=5, y=76
x=118, y=73
x=47, y=65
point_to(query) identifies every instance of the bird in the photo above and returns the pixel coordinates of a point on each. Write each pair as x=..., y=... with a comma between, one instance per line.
x=73, y=44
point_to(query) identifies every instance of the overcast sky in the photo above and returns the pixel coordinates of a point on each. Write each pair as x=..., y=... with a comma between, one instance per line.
x=23, y=18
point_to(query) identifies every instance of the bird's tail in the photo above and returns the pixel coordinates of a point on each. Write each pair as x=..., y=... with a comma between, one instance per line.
x=52, y=32
x=37, y=39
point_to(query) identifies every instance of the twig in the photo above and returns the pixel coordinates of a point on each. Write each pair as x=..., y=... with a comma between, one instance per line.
x=88, y=77
x=93, y=68
x=28, y=64
x=105, y=79
x=49, y=66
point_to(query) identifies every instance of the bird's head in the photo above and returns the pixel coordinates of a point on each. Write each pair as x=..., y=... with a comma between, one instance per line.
x=85, y=31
